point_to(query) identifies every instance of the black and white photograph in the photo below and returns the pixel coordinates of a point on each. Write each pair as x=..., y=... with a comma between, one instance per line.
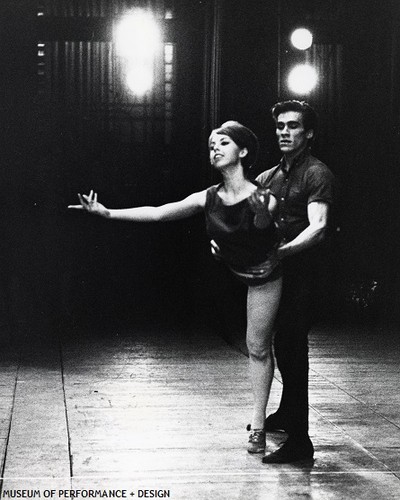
x=200, y=274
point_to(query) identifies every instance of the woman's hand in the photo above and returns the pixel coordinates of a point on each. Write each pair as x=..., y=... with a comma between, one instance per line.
x=90, y=204
x=259, y=201
x=215, y=250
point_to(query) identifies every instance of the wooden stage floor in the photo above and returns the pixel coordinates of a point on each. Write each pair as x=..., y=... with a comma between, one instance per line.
x=160, y=412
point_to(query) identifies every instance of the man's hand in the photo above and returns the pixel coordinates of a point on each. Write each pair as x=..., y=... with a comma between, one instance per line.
x=312, y=235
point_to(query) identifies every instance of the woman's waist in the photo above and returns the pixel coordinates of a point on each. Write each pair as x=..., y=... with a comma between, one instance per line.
x=259, y=274
x=248, y=258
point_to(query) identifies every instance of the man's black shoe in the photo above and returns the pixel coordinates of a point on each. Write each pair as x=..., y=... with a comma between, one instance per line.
x=291, y=451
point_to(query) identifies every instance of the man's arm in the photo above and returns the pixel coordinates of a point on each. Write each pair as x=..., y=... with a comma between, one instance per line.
x=318, y=212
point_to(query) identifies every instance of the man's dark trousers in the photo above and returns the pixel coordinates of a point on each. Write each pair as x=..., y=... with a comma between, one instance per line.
x=294, y=321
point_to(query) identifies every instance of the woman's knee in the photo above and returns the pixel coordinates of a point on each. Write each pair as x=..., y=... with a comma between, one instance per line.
x=259, y=351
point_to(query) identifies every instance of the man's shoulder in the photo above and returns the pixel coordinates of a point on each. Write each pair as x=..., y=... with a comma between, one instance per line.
x=314, y=162
x=317, y=167
x=266, y=175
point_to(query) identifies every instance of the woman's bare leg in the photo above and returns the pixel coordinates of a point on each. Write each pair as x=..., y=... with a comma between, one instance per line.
x=262, y=306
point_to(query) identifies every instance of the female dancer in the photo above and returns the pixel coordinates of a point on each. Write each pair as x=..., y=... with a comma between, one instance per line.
x=243, y=235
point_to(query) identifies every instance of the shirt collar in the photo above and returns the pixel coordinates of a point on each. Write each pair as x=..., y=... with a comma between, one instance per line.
x=297, y=161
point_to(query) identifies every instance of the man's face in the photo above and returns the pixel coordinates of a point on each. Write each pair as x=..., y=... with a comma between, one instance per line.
x=292, y=137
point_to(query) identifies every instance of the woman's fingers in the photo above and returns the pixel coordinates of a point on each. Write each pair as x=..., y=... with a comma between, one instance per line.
x=261, y=195
x=215, y=250
x=87, y=201
x=259, y=199
x=83, y=200
x=214, y=245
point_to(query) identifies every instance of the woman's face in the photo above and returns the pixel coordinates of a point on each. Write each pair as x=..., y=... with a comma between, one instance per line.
x=224, y=151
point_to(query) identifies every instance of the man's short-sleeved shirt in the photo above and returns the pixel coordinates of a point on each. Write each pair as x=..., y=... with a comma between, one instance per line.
x=306, y=181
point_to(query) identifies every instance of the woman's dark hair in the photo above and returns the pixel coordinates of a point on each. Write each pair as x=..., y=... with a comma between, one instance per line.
x=243, y=137
x=310, y=117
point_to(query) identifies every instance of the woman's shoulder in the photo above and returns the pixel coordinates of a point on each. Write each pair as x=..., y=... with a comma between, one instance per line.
x=211, y=194
x=212, y=190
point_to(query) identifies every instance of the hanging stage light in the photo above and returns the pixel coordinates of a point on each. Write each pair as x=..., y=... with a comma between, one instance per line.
x=138, y=36
x=301, y=38
x=139, y=80
x=138, y=39
x=302, y=79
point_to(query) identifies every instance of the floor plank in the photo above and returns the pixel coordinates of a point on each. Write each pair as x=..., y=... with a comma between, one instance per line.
x=161, y=408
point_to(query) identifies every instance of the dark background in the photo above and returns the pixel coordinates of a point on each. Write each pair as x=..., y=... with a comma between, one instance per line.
x=63, y=270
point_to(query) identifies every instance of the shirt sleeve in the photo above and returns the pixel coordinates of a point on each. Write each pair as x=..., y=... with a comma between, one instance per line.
x=321, y=184
x=264, y=179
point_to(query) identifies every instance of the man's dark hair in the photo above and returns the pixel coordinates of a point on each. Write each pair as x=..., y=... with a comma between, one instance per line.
x=310, y=117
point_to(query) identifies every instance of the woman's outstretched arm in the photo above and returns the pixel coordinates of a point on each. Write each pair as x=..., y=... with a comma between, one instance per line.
x=191, y=205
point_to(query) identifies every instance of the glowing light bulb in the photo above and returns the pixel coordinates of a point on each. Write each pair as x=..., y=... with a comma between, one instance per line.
x=302, y=38
x=139, y=80
x=138, y=36
x=302, y=79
